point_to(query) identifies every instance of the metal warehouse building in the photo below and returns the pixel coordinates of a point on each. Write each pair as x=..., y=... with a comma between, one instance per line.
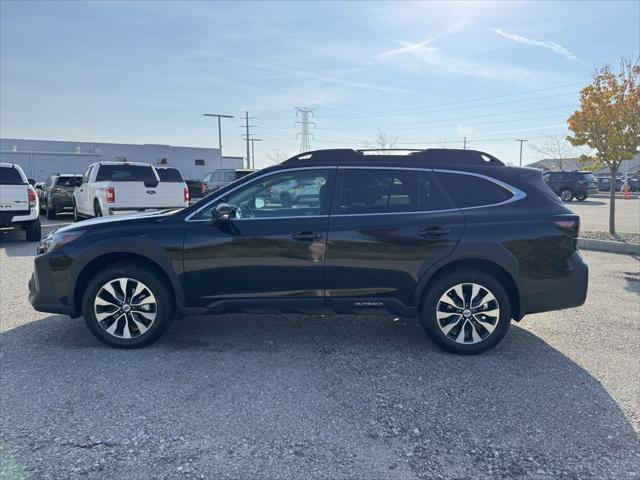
x=41, y=158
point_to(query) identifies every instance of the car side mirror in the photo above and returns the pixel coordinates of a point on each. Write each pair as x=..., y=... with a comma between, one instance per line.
x=223, y=213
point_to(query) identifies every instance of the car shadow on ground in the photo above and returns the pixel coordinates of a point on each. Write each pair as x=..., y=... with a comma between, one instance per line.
x=291, y=396
x=589, y=202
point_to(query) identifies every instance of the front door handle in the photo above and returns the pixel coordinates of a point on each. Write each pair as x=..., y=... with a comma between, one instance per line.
x=306, y=236
x=433, y=231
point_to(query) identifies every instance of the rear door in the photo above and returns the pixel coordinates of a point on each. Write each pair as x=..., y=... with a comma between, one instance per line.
x=14, y=196
x=82, y=193
x=386, y=227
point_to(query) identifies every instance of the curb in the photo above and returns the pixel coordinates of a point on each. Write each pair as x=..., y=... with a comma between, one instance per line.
x=608, y=246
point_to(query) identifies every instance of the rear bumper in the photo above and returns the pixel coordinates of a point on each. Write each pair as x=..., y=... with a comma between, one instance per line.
x=9, y=219
x=572, y=292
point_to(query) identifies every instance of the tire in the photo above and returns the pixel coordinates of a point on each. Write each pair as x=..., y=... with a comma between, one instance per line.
x=97, y=211
x=566, y=195
x=51, y=214
x=76, y=215
x=581, y=197
x=154, y=313
x=34, y=231
x=445, y=326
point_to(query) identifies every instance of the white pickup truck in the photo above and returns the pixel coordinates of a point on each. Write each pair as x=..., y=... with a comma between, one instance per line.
x=19, y=205
x=110, y=188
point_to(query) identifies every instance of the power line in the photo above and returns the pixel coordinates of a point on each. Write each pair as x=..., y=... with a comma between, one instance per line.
x=304, y=123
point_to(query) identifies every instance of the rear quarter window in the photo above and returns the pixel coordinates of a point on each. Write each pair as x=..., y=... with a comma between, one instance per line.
x=471, y=191
x=125, y=173
x=10, y=176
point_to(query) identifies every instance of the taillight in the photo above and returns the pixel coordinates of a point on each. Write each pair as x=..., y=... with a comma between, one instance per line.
x=569, y=224
x=32, y=198
x=202, y=188
x=186, y=195
x=111, y=194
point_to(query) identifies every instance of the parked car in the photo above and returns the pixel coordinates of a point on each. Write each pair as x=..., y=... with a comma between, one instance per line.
x=19, y=205
x=173, y=175
x=109, y=188
x=570, y=185
x=196, y=188
x=221, y=177
x=604, y=184
x=454, y=237
x=57, y=194
x=634, y=184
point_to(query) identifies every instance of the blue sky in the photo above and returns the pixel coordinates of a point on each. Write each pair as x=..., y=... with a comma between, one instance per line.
x=428, y=73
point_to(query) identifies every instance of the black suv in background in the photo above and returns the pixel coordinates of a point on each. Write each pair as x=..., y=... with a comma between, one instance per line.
x=57, y=194
x=570, y=185
x=453, y=237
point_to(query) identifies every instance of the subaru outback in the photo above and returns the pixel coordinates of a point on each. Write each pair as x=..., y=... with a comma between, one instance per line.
x=452, y=237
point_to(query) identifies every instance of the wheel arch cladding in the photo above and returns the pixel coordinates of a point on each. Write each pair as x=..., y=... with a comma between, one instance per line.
x=482, y=265
x=102, y=261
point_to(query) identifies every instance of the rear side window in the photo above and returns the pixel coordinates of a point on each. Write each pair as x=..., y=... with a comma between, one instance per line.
x=471, y=191
x=125, y=173
x=388, y=191
x=10, y=176
x=169, y=174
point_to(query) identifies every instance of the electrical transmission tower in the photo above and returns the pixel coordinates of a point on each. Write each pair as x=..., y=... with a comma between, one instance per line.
x=304, y=123
x=247, y=137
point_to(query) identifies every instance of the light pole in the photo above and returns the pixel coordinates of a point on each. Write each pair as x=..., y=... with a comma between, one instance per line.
x=521, y=140
x=219, y=116
x=253, y=152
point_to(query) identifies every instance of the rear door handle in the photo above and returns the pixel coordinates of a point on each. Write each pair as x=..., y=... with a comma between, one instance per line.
x=306, y=236
x=434, y=231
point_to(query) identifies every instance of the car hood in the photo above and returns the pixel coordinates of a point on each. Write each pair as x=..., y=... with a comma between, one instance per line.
x=118, y=219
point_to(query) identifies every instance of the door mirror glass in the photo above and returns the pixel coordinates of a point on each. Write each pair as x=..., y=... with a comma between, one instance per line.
x=259, y=203
x=224, y=212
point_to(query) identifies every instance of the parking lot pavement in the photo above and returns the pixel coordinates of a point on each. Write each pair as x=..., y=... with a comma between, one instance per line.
x=594, y=214
x=290, y=397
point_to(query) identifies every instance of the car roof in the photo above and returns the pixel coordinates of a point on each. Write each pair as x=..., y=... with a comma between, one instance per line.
x=138, y=164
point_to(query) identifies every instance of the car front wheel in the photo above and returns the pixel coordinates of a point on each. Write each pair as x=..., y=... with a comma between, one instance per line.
x=466, y=312
x=581, y=197
x=127, y=306
x=566, y=195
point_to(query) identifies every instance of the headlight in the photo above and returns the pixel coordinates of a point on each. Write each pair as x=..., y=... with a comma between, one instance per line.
x=57, y=239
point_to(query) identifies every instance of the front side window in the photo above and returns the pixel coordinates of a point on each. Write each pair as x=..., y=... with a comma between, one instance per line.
x=388, y=191
x=283, y=194
x=472, y=191
x=87, y=175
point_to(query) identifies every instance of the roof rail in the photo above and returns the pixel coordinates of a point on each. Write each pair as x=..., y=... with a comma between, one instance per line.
x=430, y=155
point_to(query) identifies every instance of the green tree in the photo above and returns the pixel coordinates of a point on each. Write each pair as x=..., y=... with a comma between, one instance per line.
x=608, y=121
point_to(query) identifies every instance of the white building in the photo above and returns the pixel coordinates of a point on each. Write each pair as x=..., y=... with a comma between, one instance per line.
x=41, y=158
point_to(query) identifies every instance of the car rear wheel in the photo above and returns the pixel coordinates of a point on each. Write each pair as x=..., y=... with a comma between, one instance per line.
x=566, y=195
x=466, y=312
x=51, y=214
x=581, y=198
x=34, y=231
x=97, y=211
x=127, y=306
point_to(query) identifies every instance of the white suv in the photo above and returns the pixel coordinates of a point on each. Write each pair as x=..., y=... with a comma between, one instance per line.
x=109, y=188
x=19, y=205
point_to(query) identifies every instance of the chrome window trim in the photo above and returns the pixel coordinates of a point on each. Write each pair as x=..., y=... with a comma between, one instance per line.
x=517, y=194
x=284, y=170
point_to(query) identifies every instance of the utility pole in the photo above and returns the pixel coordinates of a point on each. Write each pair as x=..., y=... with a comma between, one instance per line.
x=247, y=136
x=465, y=143
x=304, y=123
x=253, y=152
x=219, y=115
x=521, y=140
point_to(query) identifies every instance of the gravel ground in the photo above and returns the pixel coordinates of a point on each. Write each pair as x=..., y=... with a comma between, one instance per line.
x=594, y=214
x=621, y=237
x=289, y=397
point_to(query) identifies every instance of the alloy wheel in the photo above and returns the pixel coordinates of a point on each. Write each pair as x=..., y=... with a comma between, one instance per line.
x=125, y=308
x=467, y=313
x=566, y=195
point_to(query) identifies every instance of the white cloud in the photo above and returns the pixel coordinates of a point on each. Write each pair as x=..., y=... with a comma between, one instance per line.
x=553, y=46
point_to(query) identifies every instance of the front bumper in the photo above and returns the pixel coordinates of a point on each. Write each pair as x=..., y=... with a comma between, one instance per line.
x=571, y=292
x=50, y=284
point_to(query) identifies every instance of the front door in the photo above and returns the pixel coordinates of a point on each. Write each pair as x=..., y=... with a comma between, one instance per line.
x=273, y=251
x=387, y=226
